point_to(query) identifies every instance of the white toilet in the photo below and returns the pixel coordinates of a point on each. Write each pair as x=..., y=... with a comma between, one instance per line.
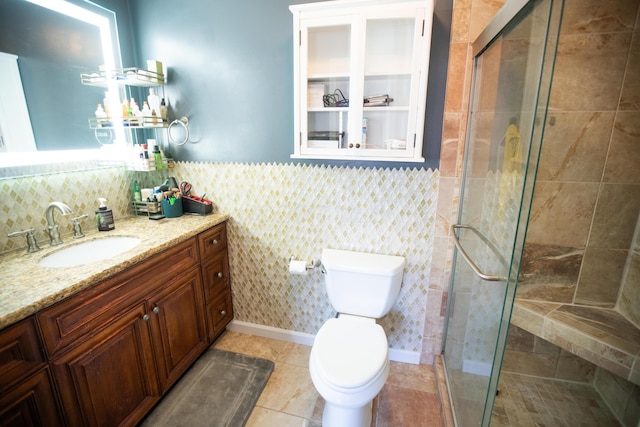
x=349, y=360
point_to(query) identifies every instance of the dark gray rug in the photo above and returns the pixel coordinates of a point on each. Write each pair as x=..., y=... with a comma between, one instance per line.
x=220, y=389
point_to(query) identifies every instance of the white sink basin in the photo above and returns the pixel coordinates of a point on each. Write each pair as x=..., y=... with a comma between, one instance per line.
x=88, y=252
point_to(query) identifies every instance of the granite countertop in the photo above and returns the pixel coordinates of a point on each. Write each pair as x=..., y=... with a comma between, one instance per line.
x=26, y=287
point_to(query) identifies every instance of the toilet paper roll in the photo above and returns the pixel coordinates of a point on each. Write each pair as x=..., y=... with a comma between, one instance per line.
x=298, y=267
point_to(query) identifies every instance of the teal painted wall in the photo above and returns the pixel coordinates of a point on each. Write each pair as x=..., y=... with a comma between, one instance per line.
x=231, y=73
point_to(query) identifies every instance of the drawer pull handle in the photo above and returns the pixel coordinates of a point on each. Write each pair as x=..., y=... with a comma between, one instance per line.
x=220, y=275
x=145, y=317
x=223, y=312
x=214, y=242
x=156, y=309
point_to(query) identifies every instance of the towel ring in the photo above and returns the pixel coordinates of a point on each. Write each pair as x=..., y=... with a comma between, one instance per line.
x=184, y=122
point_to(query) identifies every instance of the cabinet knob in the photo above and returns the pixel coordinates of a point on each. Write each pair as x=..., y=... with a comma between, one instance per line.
x=145, y=317
x=214, y=242
x=220, y=275
x=223, y=312
x=156, y=309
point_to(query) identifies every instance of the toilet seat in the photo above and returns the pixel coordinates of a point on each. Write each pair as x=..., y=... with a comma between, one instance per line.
x=350, y=351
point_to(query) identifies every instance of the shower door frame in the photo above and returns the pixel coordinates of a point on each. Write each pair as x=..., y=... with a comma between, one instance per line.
x=511, y=11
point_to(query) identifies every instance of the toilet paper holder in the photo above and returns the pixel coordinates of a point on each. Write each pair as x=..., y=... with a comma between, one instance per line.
x=314, y=263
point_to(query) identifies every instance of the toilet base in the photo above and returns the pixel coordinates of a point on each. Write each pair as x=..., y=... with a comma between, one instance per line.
x=339, y=416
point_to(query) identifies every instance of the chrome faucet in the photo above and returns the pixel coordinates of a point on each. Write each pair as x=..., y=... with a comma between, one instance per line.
x=52, y=227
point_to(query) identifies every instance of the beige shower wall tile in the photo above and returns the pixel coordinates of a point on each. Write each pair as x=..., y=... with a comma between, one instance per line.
x=629, y=301
x=549, y=273
x=574, y=368
x=458, y=78
x=452, y=139
x=482, y=12
x=460, y=21
x=597, y=16
x=616, y=215
x=561, y=213
x=600, y=277
x=630, y=99
x=589, y=71
x=575, y=146
x=623, y=162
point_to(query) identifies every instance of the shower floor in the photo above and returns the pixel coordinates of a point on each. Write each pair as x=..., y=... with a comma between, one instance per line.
x=534, y=401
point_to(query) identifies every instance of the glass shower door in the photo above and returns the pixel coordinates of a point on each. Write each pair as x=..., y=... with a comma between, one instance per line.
x=512, y=76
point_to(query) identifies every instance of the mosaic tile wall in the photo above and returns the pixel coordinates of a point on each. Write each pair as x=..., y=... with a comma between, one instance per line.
x=280, y=210
x=25, y=199
x=277, y=211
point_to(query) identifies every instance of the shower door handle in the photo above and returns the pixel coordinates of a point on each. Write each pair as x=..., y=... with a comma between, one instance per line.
x=465, y=255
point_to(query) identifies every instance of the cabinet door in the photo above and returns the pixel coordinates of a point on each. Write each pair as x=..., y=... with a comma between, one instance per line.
x=110, y=378
x=30, y=403
x=391, y=82
x=327, y=60
x=177, y=321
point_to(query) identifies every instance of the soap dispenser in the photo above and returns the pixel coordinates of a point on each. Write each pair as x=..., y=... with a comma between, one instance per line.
x=104, y=216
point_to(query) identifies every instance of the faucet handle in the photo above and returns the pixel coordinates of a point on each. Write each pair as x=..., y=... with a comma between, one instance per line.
x=77, y=229
x=32, y=244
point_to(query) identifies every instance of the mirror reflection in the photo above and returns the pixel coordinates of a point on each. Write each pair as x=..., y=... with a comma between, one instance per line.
x=54, y=42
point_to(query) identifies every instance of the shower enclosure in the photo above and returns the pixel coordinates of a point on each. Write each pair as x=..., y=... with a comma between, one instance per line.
x=513, y=66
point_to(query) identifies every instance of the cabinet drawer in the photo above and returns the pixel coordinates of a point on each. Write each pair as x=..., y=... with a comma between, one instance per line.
x=215, y=274
x=219, y=314
x=212, y=241
x=20, y=352
x=90, y=310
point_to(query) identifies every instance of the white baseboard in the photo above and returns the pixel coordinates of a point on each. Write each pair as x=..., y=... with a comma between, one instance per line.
x=395, y=355
x=475, y=367
x=271, y=332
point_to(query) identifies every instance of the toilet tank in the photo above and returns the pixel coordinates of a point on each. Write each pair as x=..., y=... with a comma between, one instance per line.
x=362, y=284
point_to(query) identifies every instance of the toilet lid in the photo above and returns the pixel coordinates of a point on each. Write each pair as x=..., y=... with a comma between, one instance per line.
x=350, y=352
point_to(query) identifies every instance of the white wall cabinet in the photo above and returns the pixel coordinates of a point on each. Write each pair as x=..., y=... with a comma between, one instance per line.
x=373, y=53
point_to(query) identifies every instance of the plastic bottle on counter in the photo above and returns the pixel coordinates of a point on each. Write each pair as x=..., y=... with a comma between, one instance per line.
x=104, y=216
x=137, y=195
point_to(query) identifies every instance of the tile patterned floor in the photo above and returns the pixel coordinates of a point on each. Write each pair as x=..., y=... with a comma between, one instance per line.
x=526, y=401
x=409, y=398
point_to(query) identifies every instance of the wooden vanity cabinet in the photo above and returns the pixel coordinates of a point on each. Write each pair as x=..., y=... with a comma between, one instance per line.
x=214, y=259
x=27, y=394
x=106, y=355
x=118, y=346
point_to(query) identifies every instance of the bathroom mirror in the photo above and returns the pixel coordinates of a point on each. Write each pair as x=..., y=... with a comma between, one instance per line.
x=54, y=42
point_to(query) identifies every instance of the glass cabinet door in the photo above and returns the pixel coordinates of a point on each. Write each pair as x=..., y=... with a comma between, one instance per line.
x=388, y=120
x=326, y=73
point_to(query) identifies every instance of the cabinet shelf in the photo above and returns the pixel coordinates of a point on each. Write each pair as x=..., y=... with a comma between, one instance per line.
x=131, y=76
x=129, y=122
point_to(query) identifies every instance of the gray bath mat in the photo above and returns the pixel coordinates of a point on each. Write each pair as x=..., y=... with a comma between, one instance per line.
x=220, y=389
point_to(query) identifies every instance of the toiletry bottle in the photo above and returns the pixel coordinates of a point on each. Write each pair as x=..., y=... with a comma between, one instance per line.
x=146, y=114
x=137, y=195
x=364, y=132
x=107, y=104
x=101, y=116
x=153, y=100
x=104, y=216
x=157, y=157
x=163, y=109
